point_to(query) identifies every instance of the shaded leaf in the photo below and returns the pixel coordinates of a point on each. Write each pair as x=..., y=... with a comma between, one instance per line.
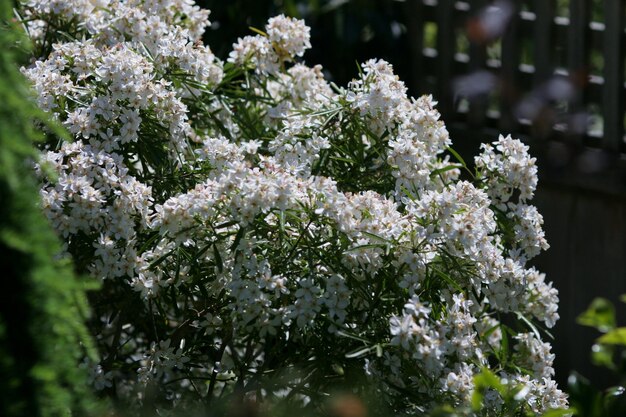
x=600, y=314
x=614, y=337
x=602, y=355
x=559, y=412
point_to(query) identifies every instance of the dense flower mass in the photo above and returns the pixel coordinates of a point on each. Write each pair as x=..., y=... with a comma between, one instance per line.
x=260, y=231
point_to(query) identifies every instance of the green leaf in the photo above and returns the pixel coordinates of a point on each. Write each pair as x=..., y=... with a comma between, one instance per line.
x=379, y=351
x=600, y=314
x=444, y=169
x=613, y=399
x=520, y=392
x=457, y=156
x=488, y=379
x=338, y=369
x=360, y=352
x=218, y=259
x=614, y=337
x=477, y=400
x=530, y=324
x=447, y=278
x=559, y=412
x=367, y=246
x=482, y=382
x=225, y=224
x=374, y=236
x=504, y=346
x=408, y=193
x=259, y=31
x=339, y=158
x=352, y=336
x=160, y=260
x=240, y=233
x=615, y=391
x=445, y=410
x=602, y=355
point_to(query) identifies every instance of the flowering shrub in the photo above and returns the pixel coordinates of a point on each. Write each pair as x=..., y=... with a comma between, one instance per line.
x=261, y=232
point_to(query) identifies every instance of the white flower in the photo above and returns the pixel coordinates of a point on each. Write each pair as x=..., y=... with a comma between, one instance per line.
x=288, y=36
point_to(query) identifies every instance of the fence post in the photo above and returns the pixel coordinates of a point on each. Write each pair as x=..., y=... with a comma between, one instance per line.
x=613, y=88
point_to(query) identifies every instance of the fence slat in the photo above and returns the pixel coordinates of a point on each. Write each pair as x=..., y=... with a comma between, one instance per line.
x=510, y=64
x=446, y=45
x=578, y=39
x=613, y=96
x=542, y=40
x=477, y=62
x=415, y=31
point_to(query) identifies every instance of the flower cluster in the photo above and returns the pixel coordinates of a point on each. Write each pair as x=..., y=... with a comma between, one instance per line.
x=247, y=218
x=285, y=39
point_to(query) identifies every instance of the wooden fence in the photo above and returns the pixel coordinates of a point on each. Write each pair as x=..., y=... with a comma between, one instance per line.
x=547, y=71
x=551, y=73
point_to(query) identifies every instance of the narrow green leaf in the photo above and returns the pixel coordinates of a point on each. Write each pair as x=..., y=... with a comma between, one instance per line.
x=444, y=169
x=530, y=324
x=339, y=158
x=225, y=224
x=371, y=245
x=457, y=156
x=161, y=259
x=259, y=31
x=240, y=233
x=374, y=236
x=359, y=352
x=218, y=259
x=447, y=278
x=352, y=336
x=504, y=347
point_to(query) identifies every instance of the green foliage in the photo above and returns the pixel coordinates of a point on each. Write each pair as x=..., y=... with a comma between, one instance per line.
x=43, y=305
x=600, y=314
x=609, y=352
x=614, y=337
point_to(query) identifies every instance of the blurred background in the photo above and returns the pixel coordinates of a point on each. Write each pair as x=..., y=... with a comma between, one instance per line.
x=550, y=72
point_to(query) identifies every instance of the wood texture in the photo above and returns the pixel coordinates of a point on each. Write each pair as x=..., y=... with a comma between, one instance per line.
x=543, y=37
x=587, y=236
x=613, y=97
x=446, y=45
